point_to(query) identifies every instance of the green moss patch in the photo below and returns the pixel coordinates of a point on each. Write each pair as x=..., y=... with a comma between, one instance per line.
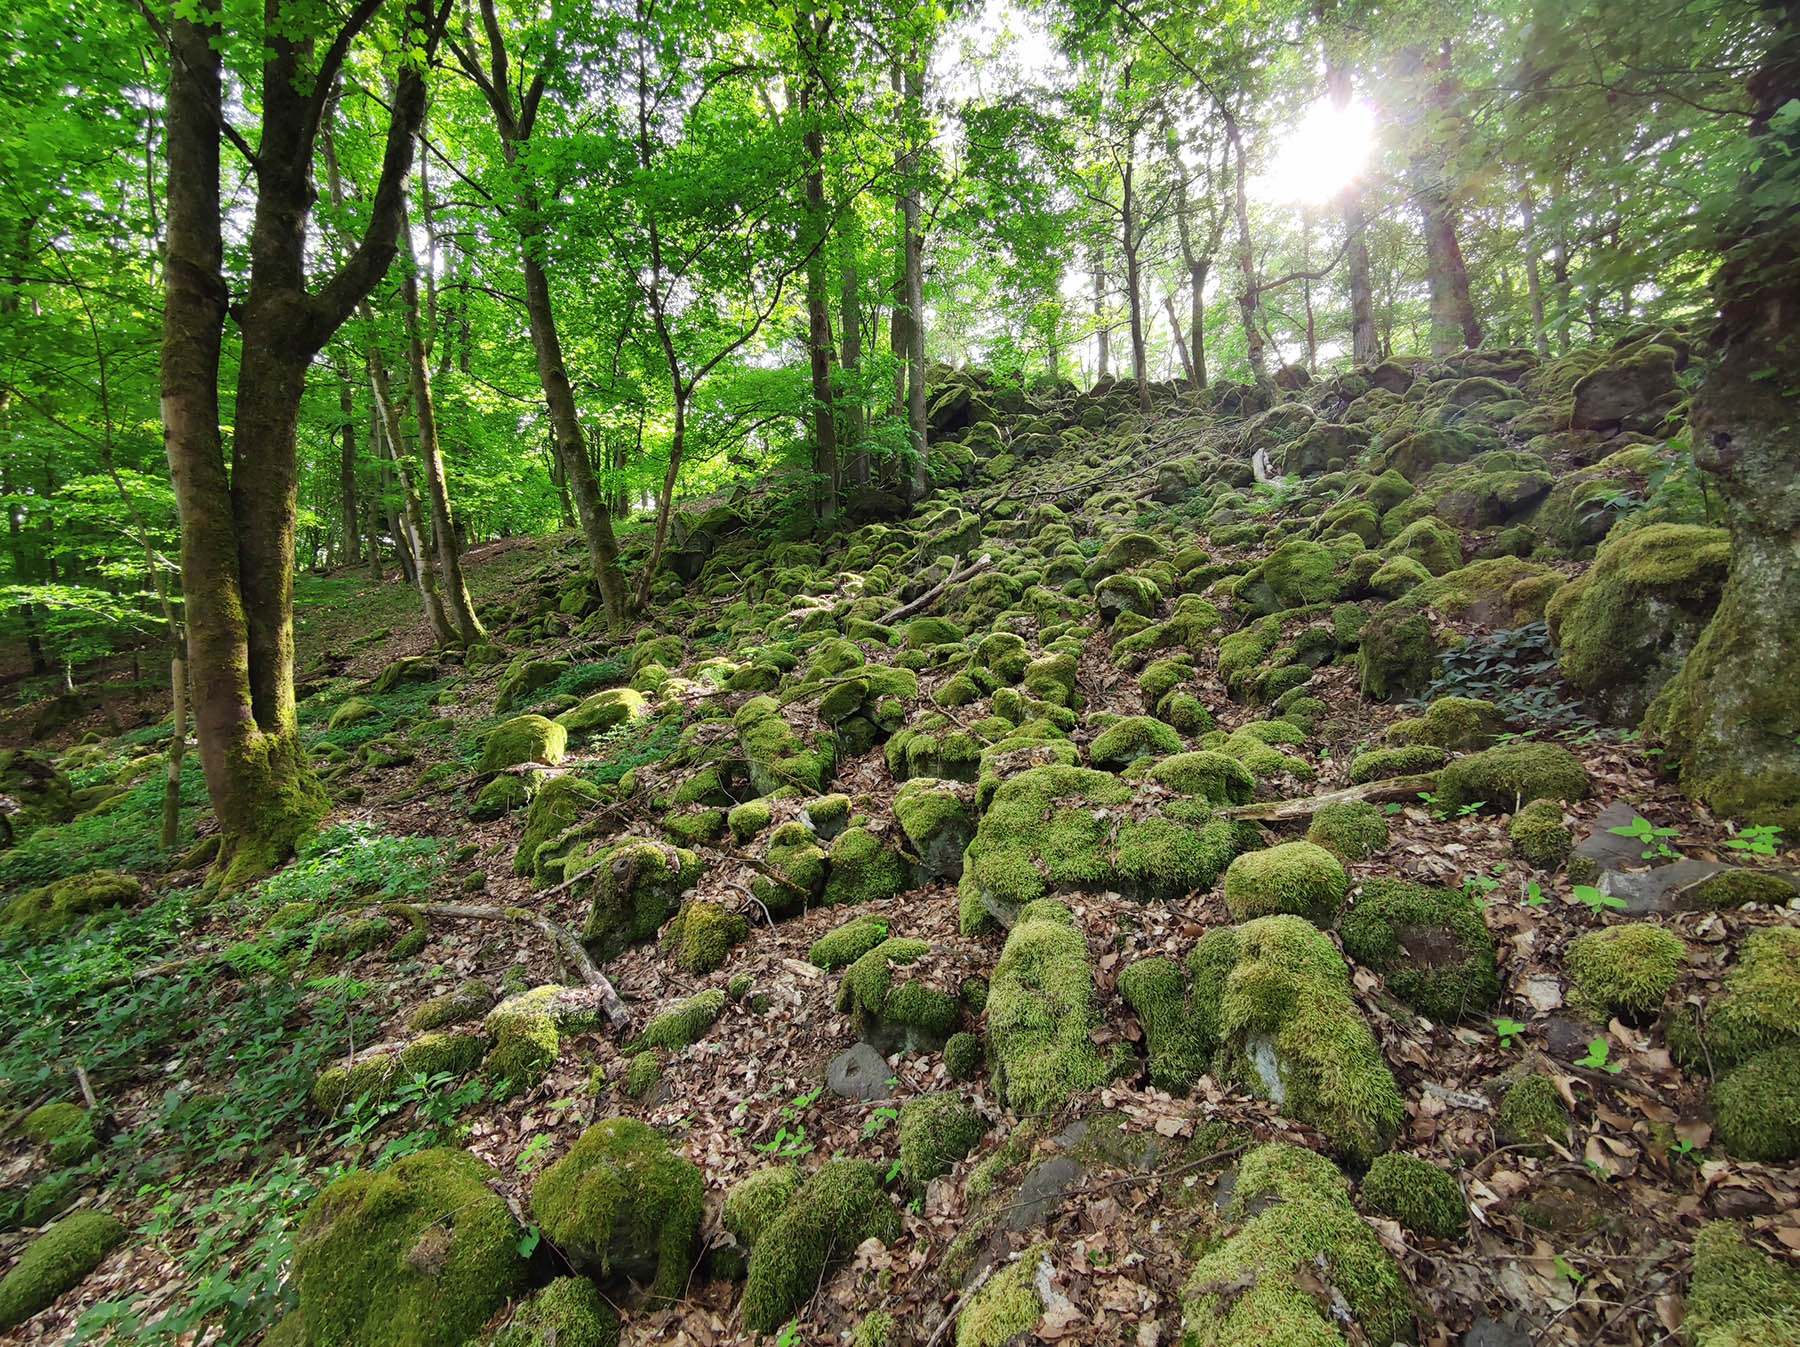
x=55, y=1262
x=1423, y=1198
x=835, y=1210
x=1353, y=829
x=1506, y=778
x=1430, y=946
x=67, y=903
x=1626, y=970
x=1295, y=877
x=636, y=887
x=1740, y=1296
x=523, y=739
x=892, y=1001
x=1040, y=1012
x=936, y=1131
x=702, y=935
x=569, y=1312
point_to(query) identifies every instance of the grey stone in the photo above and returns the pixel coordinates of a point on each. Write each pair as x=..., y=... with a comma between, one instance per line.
x=1486, y=1332
x=1647, y=892
x=859, y=1073
x=1043, y=1191
x=1605, y=849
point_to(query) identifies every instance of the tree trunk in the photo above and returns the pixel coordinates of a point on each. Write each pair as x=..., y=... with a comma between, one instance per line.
x=1731, y=718
x=352, y=554
x=912, y=263
x=1187, y=364
x=818, y=300
x=1312, y=332
x=458, y=607
x=664, y=502
x=1454, y=325
x=1534, y=285
x=850, y=409
x=411, y=530
x=1197, y=322
x=1249, y=296
x=1102, y=332
x=1134, y=280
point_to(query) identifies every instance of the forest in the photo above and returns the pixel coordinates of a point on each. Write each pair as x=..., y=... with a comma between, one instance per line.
x=948, y=675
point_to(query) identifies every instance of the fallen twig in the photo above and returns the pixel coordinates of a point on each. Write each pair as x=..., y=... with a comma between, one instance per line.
x=931, y=595
x=616, y=1013
x=1398, y=788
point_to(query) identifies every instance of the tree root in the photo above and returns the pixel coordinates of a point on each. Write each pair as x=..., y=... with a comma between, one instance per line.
x=561, y=936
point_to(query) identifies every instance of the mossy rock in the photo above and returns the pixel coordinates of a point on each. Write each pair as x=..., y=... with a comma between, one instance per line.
x=845, y=945
x=55, y=1262
x=1007, y=1306
x=702, y=935
x=569, y=1312
x=1626, y=625
x=1430, y=946
x=1625, y=970
x=1740, y=1296
x=523, y=739
x=1298, y=1227
x=41, y=792
x=1274, y=994
x=835, y=1210
x=1127, y=740
x=1423, y=1198
x=755, y=1200
x=1539, y=836
x=420, y=1254
x=502, y=795
x=351, y=712
x=907, y=1013
x=963, y=1056
x=682, y=1025
x=623, y=1204
x=1384, y=764
x=470, y=1001
x=1397, y=655
x=1214, y=777
x=939, y=822
x=1464, y=724
x=636, y=888
x=1759, y=1008
x=1506, y=778
x=65, y=1128
x=936, y=1131
x=64, y=904
x=1156, y=992
x=776, y=755
x=863, y=869
x=1757, y=1107
x=1352, y=829
x=558, y=805
x=1531, y=1114
x=524, y=678
x=605, y=711
x=794, y=852
x=1040, y=1012
x=1295, y=877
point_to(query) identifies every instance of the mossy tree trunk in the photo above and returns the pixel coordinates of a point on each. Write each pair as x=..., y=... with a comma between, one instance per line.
x=1731, y=719
x=238, y=523
x=812, y=33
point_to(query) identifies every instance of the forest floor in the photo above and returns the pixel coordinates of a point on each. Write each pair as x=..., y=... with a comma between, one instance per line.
x=200, y=1024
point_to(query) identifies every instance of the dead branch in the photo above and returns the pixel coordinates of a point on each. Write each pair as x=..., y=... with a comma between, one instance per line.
x=565, y=940
x=932, y=595
x=1397, y=788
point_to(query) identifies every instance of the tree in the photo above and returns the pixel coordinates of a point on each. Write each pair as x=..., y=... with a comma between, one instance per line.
x=238, y=524
x=1731, y=718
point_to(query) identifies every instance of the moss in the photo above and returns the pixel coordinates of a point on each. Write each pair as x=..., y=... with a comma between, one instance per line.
x=1758, y=1009
x=1052, y=679
x=1121, y=595
x=1162, y=676
x=642, y=1073
x=605, y=711
x=1626, y=624
x=1508, y=777
x=1431, y=946
x=1296, y=877
x=1040, y=1012
x=1288, y=1029
x=1531, y=1113
x=754, y=1202
x=847, y=943
x=623, y=1203
x=1352, y=829
x=525, y=1048
x=1626, y=970
x=351, y=712
x=702, y=934
x=963, y=1056
x=1155, y=991
x=877, y=1330
x=748, y=819
x=55, y=1262
x=50, y=1123
x=558, y=805
x=687, y=1023
x=1214, y=777
x=1132, y=738
x=523, y=739
x=912, y=1011
x=1398, y=654
x=523, y=678
x=1466, y=724
x=636, y=887
x=1007, y=1306
x=1253, y=1287
x=1735, y=888
x=922, y=632
x=1423, y=1198
x=1430, y=542
x=796, y=854
x=1041, y=818
x=1538, y=836
x=835, y=1210
x=70, y=902
x=1757, y=1107
x=569, y=1312
x=419, y=1254
x=1740, y=1296
x=937, y=821
x=775, y=754
x=1396, y=576
x=863, y=870
x=936, y=1131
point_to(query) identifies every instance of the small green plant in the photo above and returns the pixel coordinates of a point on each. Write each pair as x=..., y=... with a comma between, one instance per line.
x=1479, y=887
x=1508, y=1031
x=528, y=1156
x=1564, y=1270
x=1685, y=1149
x=1596, y=901
x=1761, y=839
x=1534, y=894
x=789, y=1141
x=1655, y=840
x=878, y=1120
x=1596, y=1058
x=789, y=1335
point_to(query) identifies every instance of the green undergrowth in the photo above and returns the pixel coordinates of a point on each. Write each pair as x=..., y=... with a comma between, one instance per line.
x=630, y=746
x=125, y=834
